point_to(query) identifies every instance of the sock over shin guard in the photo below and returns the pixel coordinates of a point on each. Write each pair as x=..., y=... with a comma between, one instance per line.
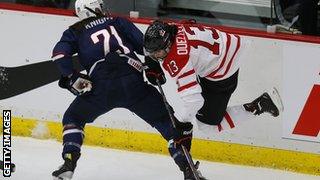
x=72, y=138
x=233, y=117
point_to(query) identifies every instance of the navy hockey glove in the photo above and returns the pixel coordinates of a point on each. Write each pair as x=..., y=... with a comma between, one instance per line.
x=183, y=134
x=78, y=84
x=154, y=71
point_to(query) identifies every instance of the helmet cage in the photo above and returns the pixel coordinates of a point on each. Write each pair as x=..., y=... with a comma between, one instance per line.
x=157, y=37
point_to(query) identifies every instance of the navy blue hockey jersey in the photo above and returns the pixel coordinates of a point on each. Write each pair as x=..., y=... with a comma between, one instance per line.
x=113, y=39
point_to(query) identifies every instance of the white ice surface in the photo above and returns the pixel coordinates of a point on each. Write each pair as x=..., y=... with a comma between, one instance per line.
x=36, y=159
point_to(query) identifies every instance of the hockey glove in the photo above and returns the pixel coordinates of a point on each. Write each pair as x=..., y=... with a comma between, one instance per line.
x=154, y=71
x=77, y=83
x=183, y=134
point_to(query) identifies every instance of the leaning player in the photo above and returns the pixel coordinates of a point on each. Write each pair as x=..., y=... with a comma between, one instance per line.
x=204, y=62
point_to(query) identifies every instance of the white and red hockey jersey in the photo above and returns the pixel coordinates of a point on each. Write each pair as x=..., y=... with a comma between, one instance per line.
x=203, y=51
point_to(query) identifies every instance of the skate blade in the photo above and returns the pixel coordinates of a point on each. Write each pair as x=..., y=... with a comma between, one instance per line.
x=65, y=176
x=60, y=178
x=275, y=97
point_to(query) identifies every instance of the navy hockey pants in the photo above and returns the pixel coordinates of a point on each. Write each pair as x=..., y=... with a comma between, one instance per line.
x=130, y=92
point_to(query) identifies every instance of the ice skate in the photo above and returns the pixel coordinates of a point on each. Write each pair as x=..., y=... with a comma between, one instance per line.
x=65, y=171
x=268, y=102
x=188, y=174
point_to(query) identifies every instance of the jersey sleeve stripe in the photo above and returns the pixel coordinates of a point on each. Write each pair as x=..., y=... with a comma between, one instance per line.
x=231, y=61
x=224, y=57
x=186, y=74
x=57, y=56
x=187, y=86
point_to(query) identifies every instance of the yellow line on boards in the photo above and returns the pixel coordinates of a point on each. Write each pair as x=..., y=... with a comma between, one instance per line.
x=153, y=143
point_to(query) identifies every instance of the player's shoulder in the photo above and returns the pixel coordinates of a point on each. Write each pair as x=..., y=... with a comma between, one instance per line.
x=186, y=24
x=177, y=58
x=68, y=34
x=190, y=26
x=122, y=21
x=90, y=23
x=120, y=18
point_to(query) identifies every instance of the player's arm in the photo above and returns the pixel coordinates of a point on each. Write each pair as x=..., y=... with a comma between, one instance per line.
x=152, y=68
x=75, y=82
x=189, y=91
x=134, y=35
x=63, y=51
x=153, y=71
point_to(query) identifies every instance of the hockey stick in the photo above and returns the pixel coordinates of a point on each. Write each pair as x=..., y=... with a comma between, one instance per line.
x=184, y=149
x=20, y=79
x=17, y=80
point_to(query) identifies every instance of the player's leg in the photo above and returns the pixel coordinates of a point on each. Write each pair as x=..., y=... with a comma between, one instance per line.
x=268, y=102
x=81, y=111
x=215, y=110
x=216, y=95
x=151, y=108
x=214, y=116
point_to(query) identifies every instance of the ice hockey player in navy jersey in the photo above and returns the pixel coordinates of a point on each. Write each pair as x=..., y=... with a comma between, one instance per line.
x=106, y=48
x=204, y=62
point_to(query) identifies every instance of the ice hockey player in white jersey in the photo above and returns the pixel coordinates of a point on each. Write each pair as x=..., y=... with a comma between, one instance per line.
x=204, y=62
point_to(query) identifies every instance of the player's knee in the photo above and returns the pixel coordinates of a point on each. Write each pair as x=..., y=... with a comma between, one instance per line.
x=160, y=119
x=210, y=118
x=72, y=118
x=67, y=118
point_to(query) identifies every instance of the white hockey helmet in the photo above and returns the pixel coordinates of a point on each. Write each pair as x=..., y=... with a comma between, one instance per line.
x=84, y=8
